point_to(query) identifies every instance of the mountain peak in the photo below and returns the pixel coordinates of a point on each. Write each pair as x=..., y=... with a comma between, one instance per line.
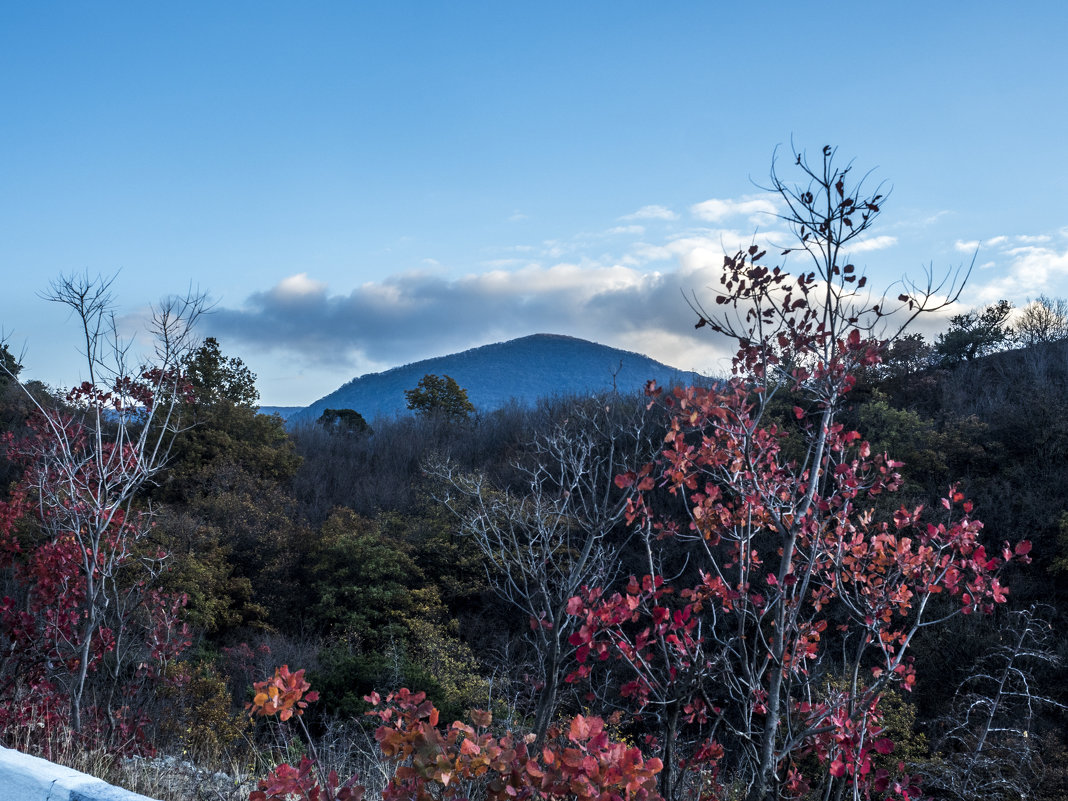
x=524, y=370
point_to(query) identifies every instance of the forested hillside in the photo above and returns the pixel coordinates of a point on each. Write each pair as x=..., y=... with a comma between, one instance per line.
x=840, y=572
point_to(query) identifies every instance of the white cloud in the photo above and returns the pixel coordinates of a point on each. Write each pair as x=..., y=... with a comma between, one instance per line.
x=645, y=253
x=298, y=286
x=1018, y=267
x=577, y=282
x=1032, y=271
x=1034, y=267
x=1004, y=243
x=872, y=243
x=651, y=213
x=702, y=246
x=637, y=230
x=705, y=354
x=755, y=207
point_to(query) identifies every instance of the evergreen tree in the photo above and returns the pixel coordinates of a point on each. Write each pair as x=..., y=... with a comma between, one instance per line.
x=439, y=396
x=976, y=333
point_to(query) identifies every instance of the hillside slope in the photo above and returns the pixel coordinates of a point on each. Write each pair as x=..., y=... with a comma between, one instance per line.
x=524, y=370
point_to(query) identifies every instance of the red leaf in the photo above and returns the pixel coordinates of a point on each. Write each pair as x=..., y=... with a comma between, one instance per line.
x=579, y=729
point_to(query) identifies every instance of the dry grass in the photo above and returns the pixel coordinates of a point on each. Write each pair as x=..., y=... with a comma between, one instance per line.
x=208, y=773
x=195, y=777
x=172, y=779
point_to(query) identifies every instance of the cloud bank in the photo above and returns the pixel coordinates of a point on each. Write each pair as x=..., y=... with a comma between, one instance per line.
x=623, y=286
x=416, y=314
x=635, y=299
x=1024, y=266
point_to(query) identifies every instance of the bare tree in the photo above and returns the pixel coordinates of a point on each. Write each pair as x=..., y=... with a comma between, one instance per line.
x=86, y=463
x=542, y=544
x=1041, y=320
x=989, y=749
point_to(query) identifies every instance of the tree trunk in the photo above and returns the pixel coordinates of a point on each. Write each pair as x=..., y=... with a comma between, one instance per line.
x=546, y=707
x=668, y=755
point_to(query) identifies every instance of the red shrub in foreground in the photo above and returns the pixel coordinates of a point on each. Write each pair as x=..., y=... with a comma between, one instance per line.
x=433, y=762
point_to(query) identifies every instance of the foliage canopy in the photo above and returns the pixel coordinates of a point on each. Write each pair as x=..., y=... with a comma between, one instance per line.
x=439, y=396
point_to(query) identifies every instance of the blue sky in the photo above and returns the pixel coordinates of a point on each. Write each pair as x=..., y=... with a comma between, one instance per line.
x=359, y=185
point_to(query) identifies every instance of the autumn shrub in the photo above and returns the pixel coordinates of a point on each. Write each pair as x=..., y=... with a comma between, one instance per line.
x=88, y=634
x=431, y=761
x=71, y=671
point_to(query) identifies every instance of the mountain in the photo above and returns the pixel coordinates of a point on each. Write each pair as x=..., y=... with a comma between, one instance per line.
x=524, y=370
x=285, y=412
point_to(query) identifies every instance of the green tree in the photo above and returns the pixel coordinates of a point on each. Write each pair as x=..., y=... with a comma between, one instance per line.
x=217, y=378
x=362, y=579
x=387, y=623
x=228, y=429
x=976, y=333
x=228, y=520
x=911, y=438
x=348, y=421
x=905, y=356
x=439, y=396
x=9, y=366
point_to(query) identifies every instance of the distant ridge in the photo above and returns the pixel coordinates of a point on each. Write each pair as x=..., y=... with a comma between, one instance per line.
x=282, y=411
x=524, y=369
